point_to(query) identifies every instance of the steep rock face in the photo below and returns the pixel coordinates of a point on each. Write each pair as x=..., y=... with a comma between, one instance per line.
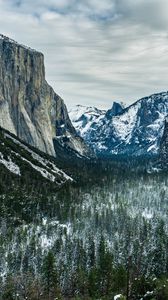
x=29, y=107
x=116, y=109
x=135, y=130
x=164, y=146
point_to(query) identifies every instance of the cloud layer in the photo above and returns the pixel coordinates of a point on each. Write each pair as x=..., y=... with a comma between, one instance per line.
x=95, y=51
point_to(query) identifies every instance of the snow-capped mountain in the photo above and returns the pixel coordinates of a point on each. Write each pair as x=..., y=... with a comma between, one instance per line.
x=22, y=160
x=134, y=130
x=83, y=117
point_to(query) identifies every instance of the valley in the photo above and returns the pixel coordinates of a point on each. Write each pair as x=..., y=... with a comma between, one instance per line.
x=83, y=195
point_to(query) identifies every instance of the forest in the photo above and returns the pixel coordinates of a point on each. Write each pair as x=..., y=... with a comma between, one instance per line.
x=103, y=237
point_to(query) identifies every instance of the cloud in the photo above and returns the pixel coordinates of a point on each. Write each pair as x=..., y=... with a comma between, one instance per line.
x=95, y=51
x=151, y=13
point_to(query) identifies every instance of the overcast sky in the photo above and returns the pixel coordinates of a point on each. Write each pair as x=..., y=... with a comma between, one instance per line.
x=96, y=51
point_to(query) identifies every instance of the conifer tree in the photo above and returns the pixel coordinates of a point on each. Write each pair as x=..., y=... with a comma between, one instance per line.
x=50, y=278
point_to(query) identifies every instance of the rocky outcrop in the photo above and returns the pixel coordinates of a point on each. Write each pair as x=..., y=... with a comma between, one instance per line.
x=116, y=109
x=29, y=107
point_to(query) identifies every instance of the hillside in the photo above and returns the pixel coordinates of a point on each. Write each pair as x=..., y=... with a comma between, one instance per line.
x=23, y=164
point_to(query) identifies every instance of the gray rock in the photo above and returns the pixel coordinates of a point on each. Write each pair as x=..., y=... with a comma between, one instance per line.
x=29, y=107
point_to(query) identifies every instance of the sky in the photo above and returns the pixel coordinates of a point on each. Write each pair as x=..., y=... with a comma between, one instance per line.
x=96, y=51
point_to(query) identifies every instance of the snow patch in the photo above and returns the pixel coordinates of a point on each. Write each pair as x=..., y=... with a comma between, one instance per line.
x=10, y=165
x=117, y=297
x=153, y=149
x=147, y=214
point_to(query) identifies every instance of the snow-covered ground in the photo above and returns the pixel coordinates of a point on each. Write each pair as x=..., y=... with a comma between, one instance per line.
x=10, y=165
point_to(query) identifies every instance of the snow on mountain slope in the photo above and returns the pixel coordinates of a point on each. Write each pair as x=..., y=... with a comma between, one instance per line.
x=134, y=130
x=83, y=117
x=20, y=158
x=129, y=118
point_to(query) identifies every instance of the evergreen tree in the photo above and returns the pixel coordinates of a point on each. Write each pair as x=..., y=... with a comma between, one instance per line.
x=105, y=266
x=93, y=286
x=50, y=278
x=9, y=290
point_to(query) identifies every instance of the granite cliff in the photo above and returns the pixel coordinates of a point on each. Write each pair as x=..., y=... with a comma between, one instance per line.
x=29, y=107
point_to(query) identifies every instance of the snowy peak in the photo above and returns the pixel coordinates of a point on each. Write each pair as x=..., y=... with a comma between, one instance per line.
x=80, y=110
x=83, y=117
x=134, y=130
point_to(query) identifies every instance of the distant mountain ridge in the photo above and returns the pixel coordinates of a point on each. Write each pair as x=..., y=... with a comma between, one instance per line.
x=29, y=107
x=134, y=130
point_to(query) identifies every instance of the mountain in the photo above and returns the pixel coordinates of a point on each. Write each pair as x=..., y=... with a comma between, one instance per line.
x=19, y=161
x=29, y=107
x=83, y=117
x=134, y=130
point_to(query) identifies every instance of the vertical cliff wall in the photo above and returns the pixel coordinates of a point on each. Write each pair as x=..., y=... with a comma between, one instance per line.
x=29, y=107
